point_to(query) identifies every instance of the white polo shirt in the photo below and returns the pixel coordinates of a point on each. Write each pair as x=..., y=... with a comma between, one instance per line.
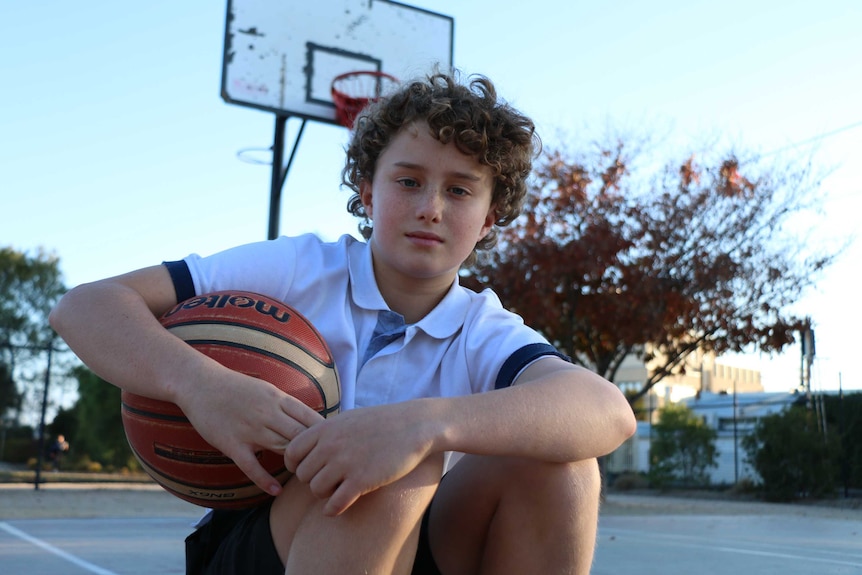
x=467, y=344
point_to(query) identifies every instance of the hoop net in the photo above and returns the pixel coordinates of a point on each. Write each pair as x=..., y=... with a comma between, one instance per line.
x=352, y=91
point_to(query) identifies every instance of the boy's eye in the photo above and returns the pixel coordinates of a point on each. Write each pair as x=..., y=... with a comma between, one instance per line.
x=408, y=183
x=459, y=191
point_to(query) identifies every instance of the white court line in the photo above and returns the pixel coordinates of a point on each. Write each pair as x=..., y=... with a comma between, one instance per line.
x=676, y=539
x=51, y=549
x=785, y=556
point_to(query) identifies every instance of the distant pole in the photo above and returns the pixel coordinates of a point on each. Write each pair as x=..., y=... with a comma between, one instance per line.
x=649, y=440
x=735, y=449
x=41, y=452
x=845, y=463
x=2, y=439
x=802, y=371
x=807, y=359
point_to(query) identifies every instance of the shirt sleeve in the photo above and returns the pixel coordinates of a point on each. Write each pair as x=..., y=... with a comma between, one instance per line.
x=266, y=267
x=499, y=346
x=184, y=286
x=521, y=359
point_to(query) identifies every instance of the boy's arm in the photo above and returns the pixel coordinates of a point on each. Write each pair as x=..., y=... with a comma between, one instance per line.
x=555, y=412
x=112, y=326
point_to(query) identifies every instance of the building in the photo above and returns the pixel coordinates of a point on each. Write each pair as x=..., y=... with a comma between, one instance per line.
x=701, y=373
x=729, y=399
x=732, y=416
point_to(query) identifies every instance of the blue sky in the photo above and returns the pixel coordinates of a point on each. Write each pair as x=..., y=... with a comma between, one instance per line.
x=117, y=151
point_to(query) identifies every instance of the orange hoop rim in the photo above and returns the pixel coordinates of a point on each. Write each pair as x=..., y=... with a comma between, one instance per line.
x=347, y=107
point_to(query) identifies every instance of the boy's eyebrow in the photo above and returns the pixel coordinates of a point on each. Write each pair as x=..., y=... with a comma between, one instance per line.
x=461, y=175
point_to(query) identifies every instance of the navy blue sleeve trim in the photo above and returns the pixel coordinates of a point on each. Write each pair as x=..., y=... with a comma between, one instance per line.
x=184, y=287
x=520, y=359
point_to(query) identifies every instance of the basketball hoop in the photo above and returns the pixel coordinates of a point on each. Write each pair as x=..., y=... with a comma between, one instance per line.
x=352, y=91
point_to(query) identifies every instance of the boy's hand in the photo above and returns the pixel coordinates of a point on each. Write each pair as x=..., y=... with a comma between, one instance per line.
x=241, y=415
x=358, y=451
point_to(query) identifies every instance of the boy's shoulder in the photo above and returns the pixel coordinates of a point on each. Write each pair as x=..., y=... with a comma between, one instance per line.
x=345, y=241
x=301, y=248
x=482, y=312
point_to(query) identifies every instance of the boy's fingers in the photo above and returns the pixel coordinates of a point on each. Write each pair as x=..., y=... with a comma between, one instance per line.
x=299, y=412
x=250, y=465
x=341, y=500
x=297, y=450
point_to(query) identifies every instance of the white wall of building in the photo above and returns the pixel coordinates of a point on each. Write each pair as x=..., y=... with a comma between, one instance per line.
x=721, y=412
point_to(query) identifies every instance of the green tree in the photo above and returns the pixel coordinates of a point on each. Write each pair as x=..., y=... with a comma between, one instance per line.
x=99, y=433
x=613, y=256
x=844, y=419
x=30, y=285
x=794, y=458
x=682, y=449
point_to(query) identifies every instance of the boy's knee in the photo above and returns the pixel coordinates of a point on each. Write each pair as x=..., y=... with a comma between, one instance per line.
x=541, y=513
x=585, y=475
x=530, y=473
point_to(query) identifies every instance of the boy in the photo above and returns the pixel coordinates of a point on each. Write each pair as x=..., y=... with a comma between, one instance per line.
x=427, y=368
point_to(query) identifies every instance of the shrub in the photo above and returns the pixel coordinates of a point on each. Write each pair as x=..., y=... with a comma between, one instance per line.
x=683, y=448
x=629, y=481
x=794, y=458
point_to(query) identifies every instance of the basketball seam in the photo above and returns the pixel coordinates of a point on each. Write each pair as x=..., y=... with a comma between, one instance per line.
x=267, y=353
x=181, y=330
x=176, y=486
x=246, y=326
x=154, y=414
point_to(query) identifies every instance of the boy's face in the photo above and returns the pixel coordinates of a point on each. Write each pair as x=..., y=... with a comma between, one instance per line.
x=430, y=204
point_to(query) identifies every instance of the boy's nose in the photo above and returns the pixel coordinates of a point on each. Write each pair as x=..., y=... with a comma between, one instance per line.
x=430, y=204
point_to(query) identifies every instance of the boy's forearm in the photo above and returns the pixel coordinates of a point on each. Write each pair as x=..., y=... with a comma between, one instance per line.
x=564, y=416
x=113, y=332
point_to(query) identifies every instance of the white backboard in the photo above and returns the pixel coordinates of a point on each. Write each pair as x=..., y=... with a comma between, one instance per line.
x=281, y=55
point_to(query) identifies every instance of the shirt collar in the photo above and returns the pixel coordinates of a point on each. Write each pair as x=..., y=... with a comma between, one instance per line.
x=363, y=286
x=449, y=315
x=442, y=322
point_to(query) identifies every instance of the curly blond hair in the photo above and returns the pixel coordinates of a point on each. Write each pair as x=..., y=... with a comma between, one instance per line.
x=469, y=115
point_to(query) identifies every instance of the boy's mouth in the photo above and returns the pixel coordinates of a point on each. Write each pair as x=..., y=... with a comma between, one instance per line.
x=425, y=237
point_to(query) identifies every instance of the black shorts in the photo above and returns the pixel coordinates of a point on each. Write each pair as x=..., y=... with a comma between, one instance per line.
x=239, y=542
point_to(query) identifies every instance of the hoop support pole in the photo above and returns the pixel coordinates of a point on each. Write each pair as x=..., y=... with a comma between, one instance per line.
x=279, y=171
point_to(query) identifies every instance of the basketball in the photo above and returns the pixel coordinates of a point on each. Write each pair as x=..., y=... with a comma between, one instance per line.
x=252, y=334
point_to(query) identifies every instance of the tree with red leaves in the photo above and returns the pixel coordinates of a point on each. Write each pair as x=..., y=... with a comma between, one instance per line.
x=606, y=263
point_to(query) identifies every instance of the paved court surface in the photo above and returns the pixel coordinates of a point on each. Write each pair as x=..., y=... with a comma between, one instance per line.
x=86, y=546
x=728, y=545
x=110, y=532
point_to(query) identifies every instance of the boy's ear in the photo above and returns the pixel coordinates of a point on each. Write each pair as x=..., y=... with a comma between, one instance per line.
x=490, y=218
x=365, y=196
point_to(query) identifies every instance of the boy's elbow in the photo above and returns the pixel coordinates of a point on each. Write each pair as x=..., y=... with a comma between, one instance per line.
x=62, y=315
x=57, y=317
x=628, y=424
x=625, y=422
